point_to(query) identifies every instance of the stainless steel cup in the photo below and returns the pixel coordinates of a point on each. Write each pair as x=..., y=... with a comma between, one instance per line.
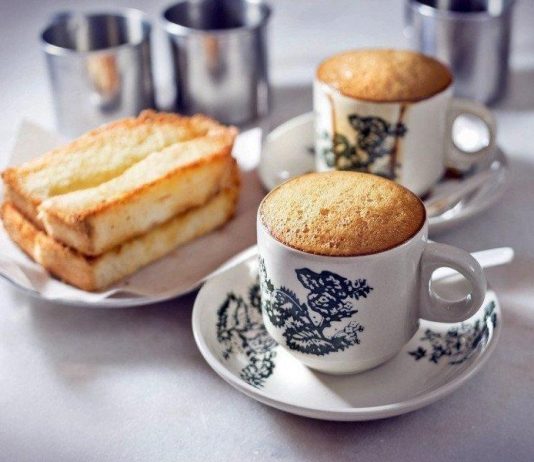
x=219, y=56
x=472, y=36
x=99, y=66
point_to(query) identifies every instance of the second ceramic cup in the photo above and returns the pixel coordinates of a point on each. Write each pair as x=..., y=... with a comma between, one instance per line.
x=391, y=113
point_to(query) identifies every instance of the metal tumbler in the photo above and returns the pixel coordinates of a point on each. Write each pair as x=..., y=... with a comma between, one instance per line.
x=219, y=56
x=472, y=36
x=99, y=66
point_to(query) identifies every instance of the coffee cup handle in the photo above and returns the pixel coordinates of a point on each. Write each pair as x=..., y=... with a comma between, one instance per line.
x=434, y=307
x=457, y=157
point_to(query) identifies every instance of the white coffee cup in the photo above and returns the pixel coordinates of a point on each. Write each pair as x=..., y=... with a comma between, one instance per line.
x=410, y=142
x=346, y=314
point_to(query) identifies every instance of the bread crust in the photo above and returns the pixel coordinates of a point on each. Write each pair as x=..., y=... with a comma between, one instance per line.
x=23, y=204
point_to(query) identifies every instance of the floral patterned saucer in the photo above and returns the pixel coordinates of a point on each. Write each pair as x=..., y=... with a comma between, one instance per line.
x=229, y=331
x=288, y=151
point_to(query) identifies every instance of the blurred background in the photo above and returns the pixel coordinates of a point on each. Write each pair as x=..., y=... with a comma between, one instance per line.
x=302, y=32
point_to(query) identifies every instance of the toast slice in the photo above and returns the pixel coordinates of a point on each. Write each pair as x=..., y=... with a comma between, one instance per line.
x=97, y=273
x=100, y=156
x=164, y=184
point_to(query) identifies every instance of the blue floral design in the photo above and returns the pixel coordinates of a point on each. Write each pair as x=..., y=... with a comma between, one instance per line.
x=375, y=138
x=458, y=343
x=240, y=329
x=314, y=327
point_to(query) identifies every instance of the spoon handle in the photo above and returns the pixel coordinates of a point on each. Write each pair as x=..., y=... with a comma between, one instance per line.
x=486, y=258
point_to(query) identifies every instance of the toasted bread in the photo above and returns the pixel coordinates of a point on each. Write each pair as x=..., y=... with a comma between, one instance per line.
x=162, y=185
x=102, y=155
x=97, y=273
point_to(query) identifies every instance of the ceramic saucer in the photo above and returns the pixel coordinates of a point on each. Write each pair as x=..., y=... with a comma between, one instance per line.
x=230, y=334
x=288, y=152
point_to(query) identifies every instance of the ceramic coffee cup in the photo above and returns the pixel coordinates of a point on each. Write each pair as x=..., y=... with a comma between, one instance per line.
x=345, y=270
x=391, y=113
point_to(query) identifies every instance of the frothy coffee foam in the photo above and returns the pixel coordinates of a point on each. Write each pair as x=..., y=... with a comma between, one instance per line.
x=383, y=75
x=342, y=213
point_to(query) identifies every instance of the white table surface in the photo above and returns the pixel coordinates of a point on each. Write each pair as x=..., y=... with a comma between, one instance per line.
x=130, y=385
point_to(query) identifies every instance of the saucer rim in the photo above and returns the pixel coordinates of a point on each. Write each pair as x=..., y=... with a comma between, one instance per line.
x=106, y=303
x=348, y=414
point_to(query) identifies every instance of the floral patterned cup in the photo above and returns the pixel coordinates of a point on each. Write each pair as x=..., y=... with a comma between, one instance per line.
x=343, y=315
x=410, y=142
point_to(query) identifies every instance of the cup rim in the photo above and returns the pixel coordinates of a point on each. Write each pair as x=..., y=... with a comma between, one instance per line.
x=176, y=29
x=130, y=14
x=430, y=11
x=422, y=232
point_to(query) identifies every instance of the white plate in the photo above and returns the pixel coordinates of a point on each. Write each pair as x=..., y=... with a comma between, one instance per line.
x=288, y=152
x=230, y=334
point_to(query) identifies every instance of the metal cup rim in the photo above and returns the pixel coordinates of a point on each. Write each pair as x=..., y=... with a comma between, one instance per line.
x=430, y=11
x=178, y=29
x=127, y=13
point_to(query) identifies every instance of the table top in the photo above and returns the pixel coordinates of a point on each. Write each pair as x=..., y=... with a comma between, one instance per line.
x=130, y=385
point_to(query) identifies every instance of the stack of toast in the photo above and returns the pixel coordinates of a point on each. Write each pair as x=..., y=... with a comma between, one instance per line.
x=122, y=196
